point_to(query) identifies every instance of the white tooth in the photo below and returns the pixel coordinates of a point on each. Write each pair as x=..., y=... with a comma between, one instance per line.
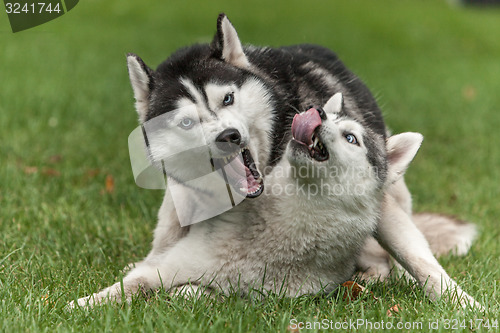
x=311, y=145
x=225, y=159
x=316, y=140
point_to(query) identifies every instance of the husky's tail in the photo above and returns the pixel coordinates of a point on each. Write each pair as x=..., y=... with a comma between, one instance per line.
x=445, y=235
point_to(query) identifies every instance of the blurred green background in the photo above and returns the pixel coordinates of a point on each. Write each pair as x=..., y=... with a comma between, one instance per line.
x=70, y=214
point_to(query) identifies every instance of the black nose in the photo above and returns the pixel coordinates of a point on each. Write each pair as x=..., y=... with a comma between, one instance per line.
x=230, y=135
x=322, y=113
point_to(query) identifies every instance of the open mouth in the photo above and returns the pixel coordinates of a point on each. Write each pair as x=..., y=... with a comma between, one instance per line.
x=305, y=132
x=240, y=172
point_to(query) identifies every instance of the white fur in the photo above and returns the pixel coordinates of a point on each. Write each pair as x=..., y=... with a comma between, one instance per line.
x=232, y=51
x=401, y=149
x=334, y=104
x=252, y=117
x=406, y=243
x=398, y=234
x=140, y=81
x=226, y=247
x=215, y=94
x=302, y=239
x=445, y=235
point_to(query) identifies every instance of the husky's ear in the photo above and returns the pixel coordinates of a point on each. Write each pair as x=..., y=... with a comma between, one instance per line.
x=401, y=149
x=226, y=44
x=334, y=104
x=141, y=78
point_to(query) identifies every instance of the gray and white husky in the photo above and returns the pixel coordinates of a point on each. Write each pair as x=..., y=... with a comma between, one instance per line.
x=248, y=97
x=304, y=240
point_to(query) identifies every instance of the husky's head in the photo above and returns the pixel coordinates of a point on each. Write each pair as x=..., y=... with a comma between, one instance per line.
x=206, y=94
x=330, y=144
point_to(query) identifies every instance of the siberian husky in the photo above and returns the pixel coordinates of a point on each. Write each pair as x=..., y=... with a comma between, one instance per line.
x=248, y=96
x=302, y=240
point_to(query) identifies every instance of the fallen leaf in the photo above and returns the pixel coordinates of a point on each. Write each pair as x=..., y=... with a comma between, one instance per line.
x=354, y=290
x=110, y=184
x=293, y=330
x=393, y=309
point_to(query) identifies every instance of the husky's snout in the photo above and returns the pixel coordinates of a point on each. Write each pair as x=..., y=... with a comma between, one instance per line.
x=238, y=164
x=228, y=140
x=305, y=133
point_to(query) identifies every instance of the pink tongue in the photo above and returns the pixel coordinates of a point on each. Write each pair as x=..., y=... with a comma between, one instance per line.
x=304, y=124
x=240, y=176
x=236, y=172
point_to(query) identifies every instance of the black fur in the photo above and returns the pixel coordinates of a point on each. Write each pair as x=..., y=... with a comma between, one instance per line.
x=218, y=41
x=145, y=68
x=288, y=72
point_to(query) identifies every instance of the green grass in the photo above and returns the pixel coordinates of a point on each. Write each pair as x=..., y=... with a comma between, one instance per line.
x=66, y=109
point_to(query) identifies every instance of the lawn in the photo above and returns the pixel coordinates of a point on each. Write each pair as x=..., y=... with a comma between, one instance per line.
x=71, y=216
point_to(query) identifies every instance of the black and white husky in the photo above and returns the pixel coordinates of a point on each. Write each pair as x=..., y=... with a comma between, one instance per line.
x=247, y=97
x=302, y=241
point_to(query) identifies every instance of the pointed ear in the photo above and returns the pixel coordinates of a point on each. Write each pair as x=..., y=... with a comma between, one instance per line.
x=401, y=149
x=141, y=78
x=334, y=104
x=226, y=44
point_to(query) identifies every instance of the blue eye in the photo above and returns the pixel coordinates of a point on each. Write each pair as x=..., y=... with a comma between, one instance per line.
x=228, y=99
x=186, y=123
x=351, y=139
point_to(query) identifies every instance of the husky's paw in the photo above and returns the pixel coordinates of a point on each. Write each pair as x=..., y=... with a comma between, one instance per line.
x=90, y=301
x=81, y=302
x=110, y=294
x=461, y=299
x=467, y=302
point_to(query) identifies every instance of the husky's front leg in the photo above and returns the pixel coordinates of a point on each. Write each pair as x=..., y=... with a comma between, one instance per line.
x=189, y=261
x=143, y=277
x=398, y=234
